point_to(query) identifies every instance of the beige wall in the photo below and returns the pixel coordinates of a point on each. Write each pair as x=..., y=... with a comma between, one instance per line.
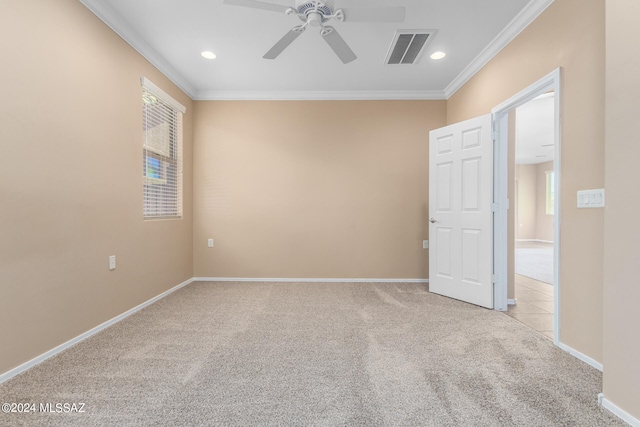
x=533, y=221
x=544, y=222
x=622, y=238
x=71, y=186
x=312, y=189
x=569, y=34
x=70, y=180
x=527, y=201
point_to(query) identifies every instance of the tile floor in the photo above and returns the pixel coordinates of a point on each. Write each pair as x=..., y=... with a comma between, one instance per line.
x=534, y=305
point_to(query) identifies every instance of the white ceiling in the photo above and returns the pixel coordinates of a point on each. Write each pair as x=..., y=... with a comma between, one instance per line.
x=172, y=33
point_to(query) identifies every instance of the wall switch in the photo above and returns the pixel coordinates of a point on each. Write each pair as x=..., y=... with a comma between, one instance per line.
x=112, y=262
x=425, y=244
x=591, y=199
x=210, y=243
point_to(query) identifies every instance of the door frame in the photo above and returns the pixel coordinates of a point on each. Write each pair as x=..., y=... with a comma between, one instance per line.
x=551, y=81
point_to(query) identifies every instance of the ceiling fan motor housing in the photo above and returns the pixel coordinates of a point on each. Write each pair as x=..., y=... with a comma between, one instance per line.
x=315, y=12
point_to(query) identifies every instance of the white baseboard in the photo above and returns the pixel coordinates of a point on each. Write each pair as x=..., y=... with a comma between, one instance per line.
x=534, y=240
x=512, y=301
x=586, y=359
x=39, y=359
x=305, y=280
x=617, y=411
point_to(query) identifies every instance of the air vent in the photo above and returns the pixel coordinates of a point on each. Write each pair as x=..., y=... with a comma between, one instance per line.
x=407, y=46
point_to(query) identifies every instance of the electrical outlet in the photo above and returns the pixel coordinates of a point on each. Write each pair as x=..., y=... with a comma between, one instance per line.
x=112, y=262
x=210, y=243
x=425, y=244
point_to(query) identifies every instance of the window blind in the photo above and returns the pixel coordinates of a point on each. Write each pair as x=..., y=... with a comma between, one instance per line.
x=161, y=153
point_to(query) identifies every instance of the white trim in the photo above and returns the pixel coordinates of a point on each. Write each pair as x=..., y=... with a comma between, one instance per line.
x=500, y=216
x=305, y=280
x=107, y=15
x=551, y=81
x=214, y=95
x=39, y=359
x=547, y=82
x=534, y=240
x=556, y=76
x=586, y=359
x=617, y=411
x=512, y=301
x=529, y=14
x=148, y=84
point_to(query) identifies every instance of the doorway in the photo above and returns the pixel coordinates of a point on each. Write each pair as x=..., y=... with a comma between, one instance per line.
x=533, y=210
x=526, y=193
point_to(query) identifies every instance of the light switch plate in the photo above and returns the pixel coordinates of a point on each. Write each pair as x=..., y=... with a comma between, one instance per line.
x=591, y=199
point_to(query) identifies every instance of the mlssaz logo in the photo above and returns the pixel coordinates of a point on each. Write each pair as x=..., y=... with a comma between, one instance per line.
x=65, y=408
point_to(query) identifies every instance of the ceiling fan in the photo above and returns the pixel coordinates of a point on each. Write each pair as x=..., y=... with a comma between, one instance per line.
x=316, y=13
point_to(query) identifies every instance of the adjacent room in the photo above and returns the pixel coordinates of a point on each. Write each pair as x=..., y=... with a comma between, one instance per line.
x=534, y=211
x=218, y=212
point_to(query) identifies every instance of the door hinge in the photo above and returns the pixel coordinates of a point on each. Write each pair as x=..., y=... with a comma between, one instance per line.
x=494, y=207
x=494, y=279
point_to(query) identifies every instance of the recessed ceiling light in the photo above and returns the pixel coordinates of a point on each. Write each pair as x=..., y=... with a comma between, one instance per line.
x=208, y=54
x=438, y=55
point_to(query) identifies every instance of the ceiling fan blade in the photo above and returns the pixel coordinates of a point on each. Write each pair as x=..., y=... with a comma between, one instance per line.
x=283, y=43
x=255, y=4
x=337, y=43
x=375, y=14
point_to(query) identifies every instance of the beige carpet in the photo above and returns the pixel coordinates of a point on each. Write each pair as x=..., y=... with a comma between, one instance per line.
x=535, y=260
x=319, y=354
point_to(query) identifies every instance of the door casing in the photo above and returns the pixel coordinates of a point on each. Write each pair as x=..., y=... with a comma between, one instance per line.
x=551, y=81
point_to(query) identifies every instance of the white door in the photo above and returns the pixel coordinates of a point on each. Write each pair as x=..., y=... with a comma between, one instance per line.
x=460, y=216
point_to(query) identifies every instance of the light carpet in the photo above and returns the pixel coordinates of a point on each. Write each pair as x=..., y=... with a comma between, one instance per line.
x=320, y=354
x=535, y=260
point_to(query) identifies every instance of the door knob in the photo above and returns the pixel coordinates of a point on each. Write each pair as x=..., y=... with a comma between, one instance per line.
x=432, y=220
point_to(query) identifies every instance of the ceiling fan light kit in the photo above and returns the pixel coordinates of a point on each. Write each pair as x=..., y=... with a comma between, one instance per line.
x=315, y=13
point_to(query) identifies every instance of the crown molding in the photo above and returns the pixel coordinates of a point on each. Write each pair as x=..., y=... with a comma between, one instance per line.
x=112, y=19
x=129, y=35
x=318, y=95
x=115, y=21
x=530, y=12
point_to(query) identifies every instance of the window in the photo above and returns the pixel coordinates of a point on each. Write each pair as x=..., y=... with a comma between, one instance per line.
x=550, y=193
x=161, y=153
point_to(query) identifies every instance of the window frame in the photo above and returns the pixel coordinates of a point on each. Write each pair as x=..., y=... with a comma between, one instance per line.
x=161, y=141
x=550, y=197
